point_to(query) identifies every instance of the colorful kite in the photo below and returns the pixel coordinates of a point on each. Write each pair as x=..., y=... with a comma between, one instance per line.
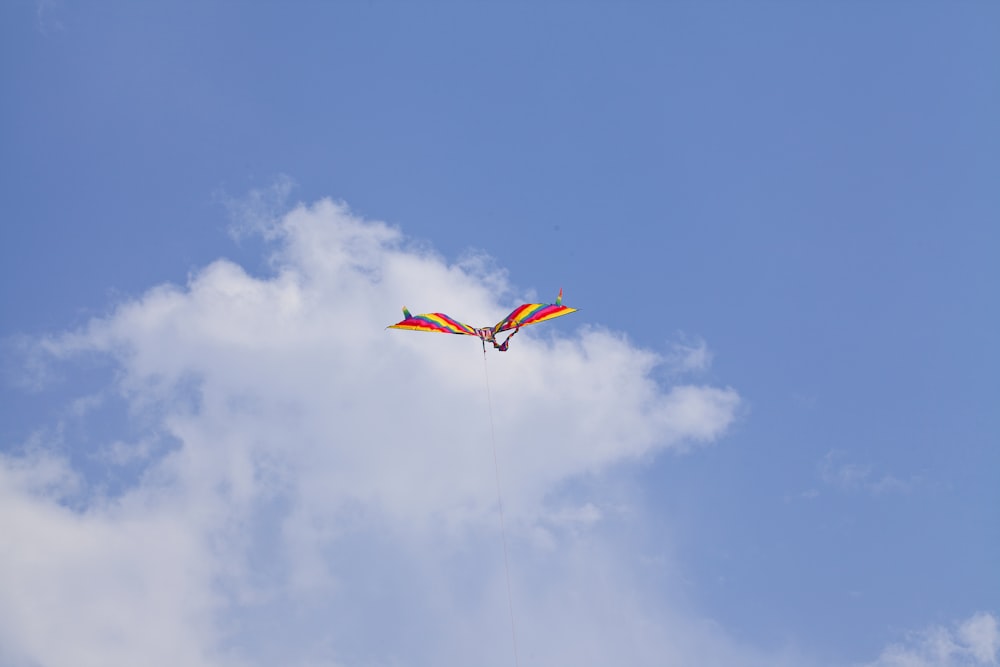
x=523, y=315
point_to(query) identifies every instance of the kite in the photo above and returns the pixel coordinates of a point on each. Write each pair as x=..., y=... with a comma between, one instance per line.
x=523, y=315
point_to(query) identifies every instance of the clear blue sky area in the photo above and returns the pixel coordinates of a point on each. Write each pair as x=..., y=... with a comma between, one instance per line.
x=812, y=190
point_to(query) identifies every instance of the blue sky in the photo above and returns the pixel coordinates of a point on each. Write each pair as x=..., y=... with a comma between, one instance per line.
x=772, y=432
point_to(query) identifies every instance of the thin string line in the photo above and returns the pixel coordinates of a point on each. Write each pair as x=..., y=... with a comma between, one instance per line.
x=503, y=529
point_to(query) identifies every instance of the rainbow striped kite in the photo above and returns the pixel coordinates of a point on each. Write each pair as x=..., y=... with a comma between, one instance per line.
x=523, y=315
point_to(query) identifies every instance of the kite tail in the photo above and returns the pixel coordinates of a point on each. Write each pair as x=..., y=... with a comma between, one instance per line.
x=559, y=298
x=506, y=341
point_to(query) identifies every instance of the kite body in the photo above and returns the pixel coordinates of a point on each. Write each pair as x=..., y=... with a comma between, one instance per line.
x=523, y=315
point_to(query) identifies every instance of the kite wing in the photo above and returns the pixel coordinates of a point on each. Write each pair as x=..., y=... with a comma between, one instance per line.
x=533, y=313
x=438, y=322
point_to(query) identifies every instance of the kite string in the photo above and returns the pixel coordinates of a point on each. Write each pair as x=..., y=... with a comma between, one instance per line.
x=503, y=530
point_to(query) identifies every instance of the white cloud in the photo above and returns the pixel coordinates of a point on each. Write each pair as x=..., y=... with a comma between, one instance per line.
x=107, y=586
x=328, y=496
x=974, y=642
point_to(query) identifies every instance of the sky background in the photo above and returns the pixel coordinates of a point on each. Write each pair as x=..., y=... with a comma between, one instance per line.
x=770, y=435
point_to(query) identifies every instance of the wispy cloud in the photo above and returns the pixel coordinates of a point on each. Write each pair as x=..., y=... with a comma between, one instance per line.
x=973, y=642
x=844, y=475
x=47, y=16
x=259, y=212
x=689, y=355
